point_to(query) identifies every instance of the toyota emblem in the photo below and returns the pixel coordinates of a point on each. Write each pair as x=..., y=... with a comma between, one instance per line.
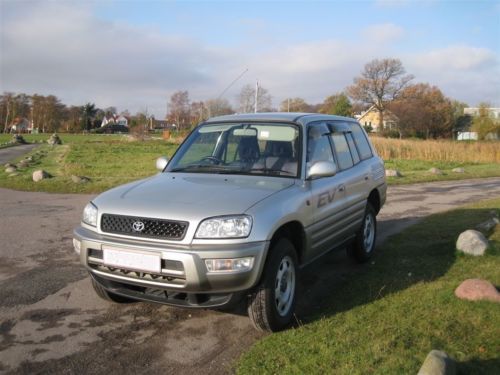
x=138, y=226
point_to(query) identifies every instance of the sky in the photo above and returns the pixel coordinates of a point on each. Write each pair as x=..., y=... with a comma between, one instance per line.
x=135, y=54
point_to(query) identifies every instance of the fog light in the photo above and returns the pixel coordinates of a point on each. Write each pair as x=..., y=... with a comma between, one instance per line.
x=229, y=265
x=77, y=245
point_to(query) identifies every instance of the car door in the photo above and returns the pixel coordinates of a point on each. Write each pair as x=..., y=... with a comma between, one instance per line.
x=355, y=175
x=327, y=194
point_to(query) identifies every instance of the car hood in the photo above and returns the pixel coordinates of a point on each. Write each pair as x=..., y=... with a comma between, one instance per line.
x=182, y=196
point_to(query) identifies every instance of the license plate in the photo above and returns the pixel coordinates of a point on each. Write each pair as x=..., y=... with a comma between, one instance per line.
x=132, y=260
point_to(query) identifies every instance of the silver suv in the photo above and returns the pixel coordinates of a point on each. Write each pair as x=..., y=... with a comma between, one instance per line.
x=244, y=203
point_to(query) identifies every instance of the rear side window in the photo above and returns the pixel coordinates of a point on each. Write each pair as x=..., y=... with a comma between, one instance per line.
x=342, y=150
x=352, y=146
x=359, y=136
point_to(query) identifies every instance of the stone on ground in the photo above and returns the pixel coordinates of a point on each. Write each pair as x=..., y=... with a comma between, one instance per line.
x=40, y=175
x=472, y=242
x=11, y=169
x=477, y=289
x=438, y=362
x=79, y=179
x=458, y=170
x=435, y=171
x=393, y=173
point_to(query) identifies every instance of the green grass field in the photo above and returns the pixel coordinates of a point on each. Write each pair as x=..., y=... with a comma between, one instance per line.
x=415, y=171
x=387, y=317
x=110, y=160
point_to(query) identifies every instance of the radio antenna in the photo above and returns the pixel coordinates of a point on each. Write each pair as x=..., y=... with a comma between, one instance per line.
x=232, y=83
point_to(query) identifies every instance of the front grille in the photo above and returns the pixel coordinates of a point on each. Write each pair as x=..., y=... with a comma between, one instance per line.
x=152, y=228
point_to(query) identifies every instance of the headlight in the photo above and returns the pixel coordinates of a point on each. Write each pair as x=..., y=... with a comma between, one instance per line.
x=90, y=214
x=225, y=227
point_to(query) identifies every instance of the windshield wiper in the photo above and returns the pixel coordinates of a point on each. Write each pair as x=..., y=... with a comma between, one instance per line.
x=200, y=168
x=270, y=170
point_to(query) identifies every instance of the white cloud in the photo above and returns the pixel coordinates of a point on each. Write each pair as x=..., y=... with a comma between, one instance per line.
x=463, y=72
x=383, y=33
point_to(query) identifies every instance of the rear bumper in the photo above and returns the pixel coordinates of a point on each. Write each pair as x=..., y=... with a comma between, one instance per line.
x=183, y=270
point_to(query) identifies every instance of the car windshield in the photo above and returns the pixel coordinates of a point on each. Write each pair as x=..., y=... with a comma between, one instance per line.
x=263, y=149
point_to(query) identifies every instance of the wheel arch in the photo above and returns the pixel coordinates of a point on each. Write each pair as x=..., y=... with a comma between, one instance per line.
x=295, y=233
x=374, y=200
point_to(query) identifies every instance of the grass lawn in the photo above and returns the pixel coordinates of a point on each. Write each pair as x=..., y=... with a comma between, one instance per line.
x=108, y=160
x=387, y=317
x=415, y=171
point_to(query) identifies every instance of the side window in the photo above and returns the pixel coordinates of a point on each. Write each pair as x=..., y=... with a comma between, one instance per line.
x=359, y=136
x=318, y=144
x=352, y=147
x=342, y=150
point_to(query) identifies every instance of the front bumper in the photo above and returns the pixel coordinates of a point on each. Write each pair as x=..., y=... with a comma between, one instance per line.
x=183, y=269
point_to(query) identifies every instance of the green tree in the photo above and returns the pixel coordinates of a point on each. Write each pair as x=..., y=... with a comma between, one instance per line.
x=89, y=110
x=338, y=104
x=484, y=125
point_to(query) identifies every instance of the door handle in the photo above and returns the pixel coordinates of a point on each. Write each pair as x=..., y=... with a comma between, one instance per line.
x=341, y=188
x=367, y=178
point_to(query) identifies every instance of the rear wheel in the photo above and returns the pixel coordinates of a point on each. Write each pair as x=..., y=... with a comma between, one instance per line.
x=272, y=305
x=108, y=296
x=363, y=245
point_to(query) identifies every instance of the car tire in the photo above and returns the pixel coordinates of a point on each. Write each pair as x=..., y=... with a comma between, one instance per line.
x=108, y=296
x=363, y=246
x=271, y=305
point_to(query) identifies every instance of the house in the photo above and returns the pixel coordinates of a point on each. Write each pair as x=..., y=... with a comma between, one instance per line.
x=115, y=119
x=462, y=130
x=108, y=120
x=122, y=120
x=20, y=125
x=158, y=124
x=371, y=118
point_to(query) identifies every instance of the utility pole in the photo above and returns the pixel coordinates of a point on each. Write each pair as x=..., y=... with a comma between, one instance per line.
x=288, y=104
x=256, y=96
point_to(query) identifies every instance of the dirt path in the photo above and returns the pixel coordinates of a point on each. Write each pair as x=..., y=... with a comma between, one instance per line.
x=51, y=321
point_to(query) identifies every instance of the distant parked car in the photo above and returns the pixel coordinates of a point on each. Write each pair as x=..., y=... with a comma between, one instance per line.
x=111, y=129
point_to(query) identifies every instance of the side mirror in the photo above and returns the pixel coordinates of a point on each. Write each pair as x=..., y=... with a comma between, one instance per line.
x=321, y=169
x=161, y=163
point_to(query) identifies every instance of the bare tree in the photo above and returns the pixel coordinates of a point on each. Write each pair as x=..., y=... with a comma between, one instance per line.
x=218, y=107
x=295, y=105
x=179, y=112
x=246, y=99
x=380, y=82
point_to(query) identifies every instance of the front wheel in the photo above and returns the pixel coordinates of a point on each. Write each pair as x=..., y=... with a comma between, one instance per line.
x=363, y=245
x=272, y=305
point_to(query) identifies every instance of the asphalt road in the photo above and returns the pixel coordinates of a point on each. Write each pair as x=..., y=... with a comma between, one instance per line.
x=52, y=322
x=10, y=153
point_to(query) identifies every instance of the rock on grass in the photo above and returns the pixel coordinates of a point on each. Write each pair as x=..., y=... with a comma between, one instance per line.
x=438, y=362
x=472, y=242
x=40, y=175
x=477, y=289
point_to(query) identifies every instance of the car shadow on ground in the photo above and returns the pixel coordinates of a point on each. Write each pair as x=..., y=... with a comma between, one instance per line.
x=336, y=283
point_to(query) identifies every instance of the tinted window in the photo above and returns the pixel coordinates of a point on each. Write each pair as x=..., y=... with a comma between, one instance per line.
x=359, y=136
x=352, y=147
x=342, y=150
x=318, y=145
